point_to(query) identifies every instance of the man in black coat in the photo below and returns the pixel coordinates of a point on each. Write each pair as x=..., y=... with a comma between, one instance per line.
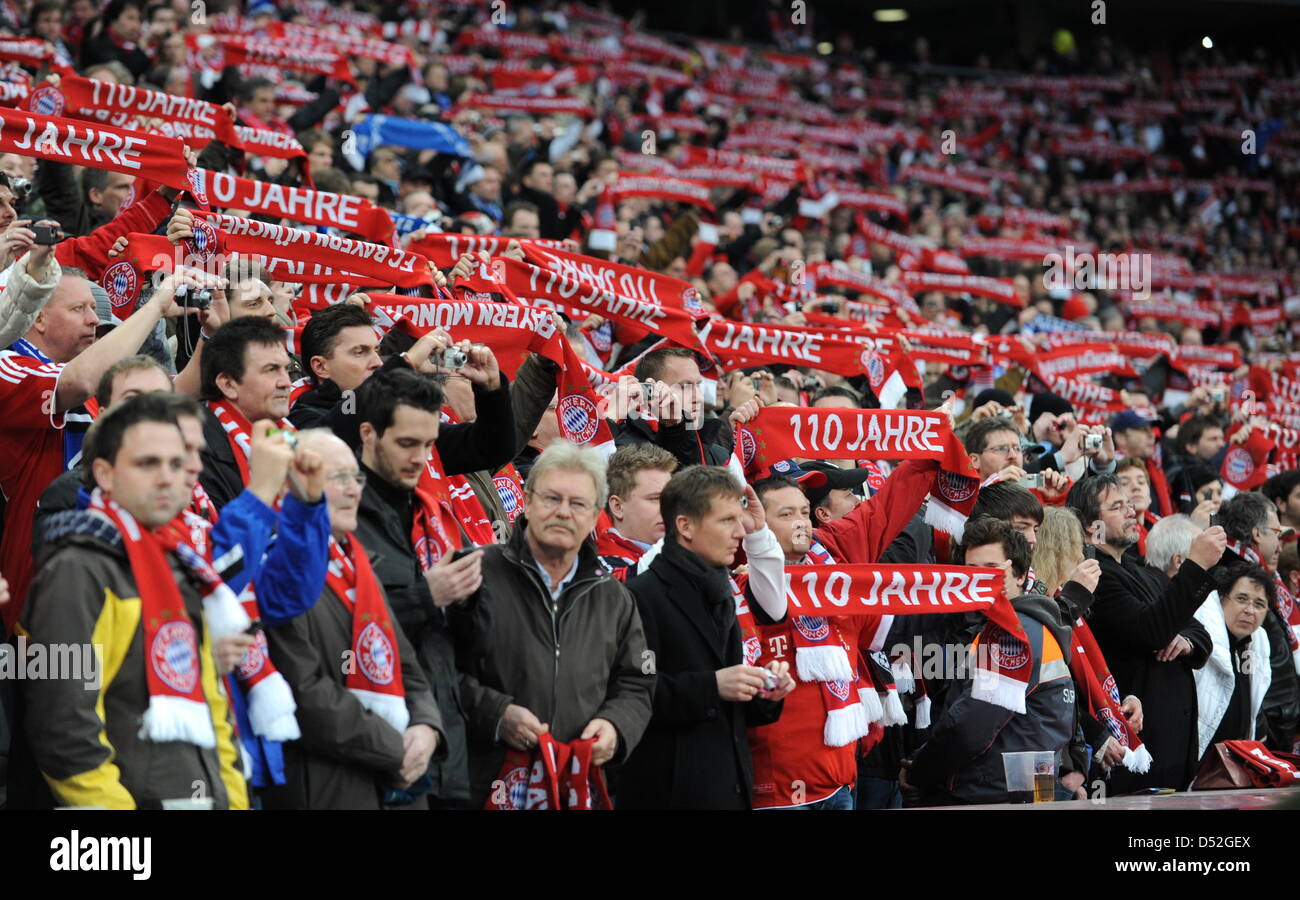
x=1150, y=639
x=695, y=755
x=397, y=424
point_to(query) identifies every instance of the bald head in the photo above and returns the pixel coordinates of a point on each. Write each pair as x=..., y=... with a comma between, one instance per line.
x=342, y=489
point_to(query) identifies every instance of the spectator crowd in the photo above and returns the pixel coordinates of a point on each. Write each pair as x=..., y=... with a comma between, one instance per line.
x=499, y=406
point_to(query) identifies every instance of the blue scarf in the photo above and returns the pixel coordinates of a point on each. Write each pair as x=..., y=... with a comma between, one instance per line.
x=415, y=134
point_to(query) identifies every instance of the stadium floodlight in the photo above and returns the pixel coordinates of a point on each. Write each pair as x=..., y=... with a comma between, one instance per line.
x=1207, y=43
x=890, y=15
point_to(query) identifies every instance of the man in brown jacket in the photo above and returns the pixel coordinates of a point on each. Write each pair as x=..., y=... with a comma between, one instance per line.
x=551, y=642
x=352, y=749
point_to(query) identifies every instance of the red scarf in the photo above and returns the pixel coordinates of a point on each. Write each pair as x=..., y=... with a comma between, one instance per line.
x=553, y=776
x=822, y=655
x=152, y=157
x=615, y=278
x=611, y=544
x=239, y=431
x=375, y=676
x=1003, y=290
x=677, y=190
x=268, y=142
x=239, y=50
x=88, y=98
x=1002, y=675
x=178, y=709
x=778, y=433
x=386, y=265
x=546, y=106
x=1245, y=466
x=435, y=529
x=345, y=212
x=531, y=284
x=1090, y=672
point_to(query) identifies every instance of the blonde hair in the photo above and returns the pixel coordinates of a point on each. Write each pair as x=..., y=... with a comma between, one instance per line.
x=1059, y=548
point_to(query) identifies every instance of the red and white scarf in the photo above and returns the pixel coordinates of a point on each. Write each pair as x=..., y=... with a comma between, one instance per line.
x=778, y=433
x=375, y=676
x=239, y=431
x=551, y=776
x=271, y=706
x=1002, y=673
x=1090, y=672
x=152, y=157
x=178, y=709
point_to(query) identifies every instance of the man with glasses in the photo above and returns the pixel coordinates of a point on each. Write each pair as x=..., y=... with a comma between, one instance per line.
x=993, y=446
x=1231, y=686
x=551, y=643
x=1255, y=536
x=368, y=719
x=1149, y=637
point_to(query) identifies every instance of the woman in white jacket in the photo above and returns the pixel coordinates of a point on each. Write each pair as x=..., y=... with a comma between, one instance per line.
x=1230, y=687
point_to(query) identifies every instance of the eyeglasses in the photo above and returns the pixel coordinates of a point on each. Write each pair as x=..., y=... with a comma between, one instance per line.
x=343, y=479
x=1255, y=604
x=553, y=501
x=1005, y=449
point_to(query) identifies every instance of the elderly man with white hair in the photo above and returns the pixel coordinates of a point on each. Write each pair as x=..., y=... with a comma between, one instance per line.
x=369, y=721
x=551, y=643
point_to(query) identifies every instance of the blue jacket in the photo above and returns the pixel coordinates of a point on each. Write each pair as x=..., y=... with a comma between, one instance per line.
x=286, y=557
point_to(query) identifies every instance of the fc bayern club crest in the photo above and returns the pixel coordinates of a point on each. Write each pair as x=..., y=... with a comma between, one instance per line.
x=691, y=301
x=375, y=654
x=748, y=448
x=753, y=650
x=46, y=100
x=512, y=496
x=1115, y=728
x=126, y=201
x=838, y=688
x=122, y=284
x=875, y=369
x=1111, y=689
x=195, y=179
x=813, y=628
x=204, y=245
x=956, y=488
x=1238, y=465
x=578, y=419
x=1007, y=651
x=254, y=659
x=515, y=786
x=175, y=656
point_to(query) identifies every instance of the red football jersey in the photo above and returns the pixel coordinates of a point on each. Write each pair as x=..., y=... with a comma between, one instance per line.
x=31, y=456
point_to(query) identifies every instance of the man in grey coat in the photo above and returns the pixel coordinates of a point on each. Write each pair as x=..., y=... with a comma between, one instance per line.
x=551, y=642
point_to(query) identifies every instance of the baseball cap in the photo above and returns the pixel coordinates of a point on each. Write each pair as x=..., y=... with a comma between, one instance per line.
x=791, y=469
x=1128, y=419
x=836, y=479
